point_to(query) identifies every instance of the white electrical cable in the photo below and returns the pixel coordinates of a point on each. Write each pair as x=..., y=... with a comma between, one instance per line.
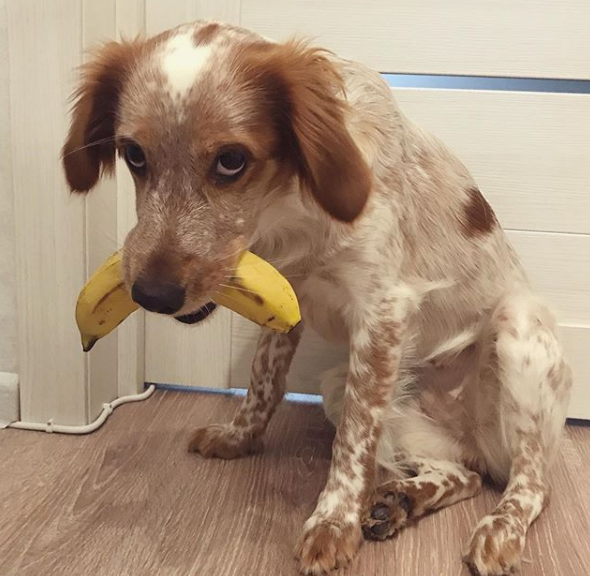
x=107, y=409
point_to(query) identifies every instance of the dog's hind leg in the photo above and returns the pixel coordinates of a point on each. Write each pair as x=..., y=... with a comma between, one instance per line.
x=411, y=441
x=520, y=401
x=437, y=484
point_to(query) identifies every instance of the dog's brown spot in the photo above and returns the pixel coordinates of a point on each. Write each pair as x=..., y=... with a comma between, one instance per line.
x=497, y=524
x=479, y=218
x=427, y=490
x=511, y=551
x=450, y=491
x=206, y=34
x=240, y=421
x=488, y=550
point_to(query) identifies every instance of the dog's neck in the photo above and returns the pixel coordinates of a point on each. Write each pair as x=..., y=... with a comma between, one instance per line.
x=296, y=235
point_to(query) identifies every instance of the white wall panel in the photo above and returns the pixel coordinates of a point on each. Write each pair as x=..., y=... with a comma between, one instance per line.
x=189, y=355
x=61, y=238
x=130, y=22
x=98, y=26
x=576, y=343
x=559, y=267
x=529, y=152
x=534, y=38
x=44, y=49
x=8, y=319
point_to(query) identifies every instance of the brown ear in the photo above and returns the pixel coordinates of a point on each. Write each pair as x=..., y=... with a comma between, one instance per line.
x=90, y=146
x=330, y=163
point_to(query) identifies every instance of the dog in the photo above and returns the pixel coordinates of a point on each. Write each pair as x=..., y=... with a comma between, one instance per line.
x=237, y=142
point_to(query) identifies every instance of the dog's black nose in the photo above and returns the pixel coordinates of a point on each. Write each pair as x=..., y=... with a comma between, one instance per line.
x=159, y=296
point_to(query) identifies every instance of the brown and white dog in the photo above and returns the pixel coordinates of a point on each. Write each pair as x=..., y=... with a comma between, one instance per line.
x=234, y=142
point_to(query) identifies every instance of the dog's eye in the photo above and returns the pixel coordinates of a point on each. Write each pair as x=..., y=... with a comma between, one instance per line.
x=135, y=158
x=230, y=164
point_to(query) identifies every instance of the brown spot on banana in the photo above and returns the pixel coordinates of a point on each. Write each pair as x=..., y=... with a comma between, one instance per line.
x=238, y=282
x=255, y=297
x=107, y=294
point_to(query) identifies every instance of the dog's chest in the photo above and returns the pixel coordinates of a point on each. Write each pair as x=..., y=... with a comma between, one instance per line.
x=322, y=300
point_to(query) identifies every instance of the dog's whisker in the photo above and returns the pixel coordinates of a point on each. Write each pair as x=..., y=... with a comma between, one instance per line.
x=233, y=298
x=90, y=144
x=238, y=288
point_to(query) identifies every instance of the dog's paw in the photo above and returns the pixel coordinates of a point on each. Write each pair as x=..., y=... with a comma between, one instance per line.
x=496, y=546
x=327, y=546
x=223, y=441
x=386, y=514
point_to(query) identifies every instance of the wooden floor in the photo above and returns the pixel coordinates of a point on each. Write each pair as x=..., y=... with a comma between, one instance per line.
x=129, y=500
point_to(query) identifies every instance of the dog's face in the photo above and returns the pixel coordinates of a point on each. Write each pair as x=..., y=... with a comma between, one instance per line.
x=214, y=123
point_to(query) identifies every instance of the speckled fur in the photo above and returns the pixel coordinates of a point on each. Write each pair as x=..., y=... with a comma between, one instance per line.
x=393, y=251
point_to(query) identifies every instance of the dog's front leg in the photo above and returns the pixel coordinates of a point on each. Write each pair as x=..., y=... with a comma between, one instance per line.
x=267, y=387
x=332, y=534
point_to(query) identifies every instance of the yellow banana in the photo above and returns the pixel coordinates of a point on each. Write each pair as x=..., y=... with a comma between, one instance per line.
x=256, y=291
x=103, y=303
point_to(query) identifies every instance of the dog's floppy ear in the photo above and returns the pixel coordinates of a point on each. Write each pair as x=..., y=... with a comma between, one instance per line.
x=90, y=146
x=329, y=162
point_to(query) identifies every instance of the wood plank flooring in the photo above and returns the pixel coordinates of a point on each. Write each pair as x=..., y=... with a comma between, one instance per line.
x=129, y=500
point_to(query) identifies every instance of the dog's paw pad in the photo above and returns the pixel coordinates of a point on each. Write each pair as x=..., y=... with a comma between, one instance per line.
x=387, y=514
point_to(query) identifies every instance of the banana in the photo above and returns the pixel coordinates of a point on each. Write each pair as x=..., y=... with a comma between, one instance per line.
x=103, y=303
x=256, y=291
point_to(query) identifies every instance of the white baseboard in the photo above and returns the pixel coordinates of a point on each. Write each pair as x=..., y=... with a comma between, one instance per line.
x=9, y=405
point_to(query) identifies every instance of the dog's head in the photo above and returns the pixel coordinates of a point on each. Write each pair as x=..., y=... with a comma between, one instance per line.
x=213, y=122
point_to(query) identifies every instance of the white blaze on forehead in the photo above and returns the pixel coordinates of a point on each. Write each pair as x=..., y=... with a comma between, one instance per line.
x=182, y=62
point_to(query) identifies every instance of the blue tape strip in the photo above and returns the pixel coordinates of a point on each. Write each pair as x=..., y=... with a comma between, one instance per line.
x=488, y=83
x=290, y=396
